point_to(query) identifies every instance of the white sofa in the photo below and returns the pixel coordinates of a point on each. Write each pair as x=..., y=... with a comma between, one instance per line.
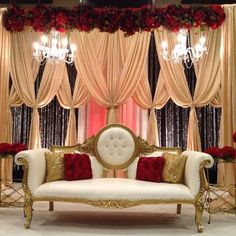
x=114, y=147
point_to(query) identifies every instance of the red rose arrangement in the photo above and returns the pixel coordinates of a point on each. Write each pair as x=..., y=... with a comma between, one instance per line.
x=215, y=152
x=110, y=19
x=7, y=148
x=234, y=137
x=225, y=153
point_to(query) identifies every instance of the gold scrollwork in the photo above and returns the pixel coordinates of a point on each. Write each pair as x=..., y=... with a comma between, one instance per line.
x=28, y=200
x=199, y=206
x=145, y=148
x=112, y=204
x=88, y=146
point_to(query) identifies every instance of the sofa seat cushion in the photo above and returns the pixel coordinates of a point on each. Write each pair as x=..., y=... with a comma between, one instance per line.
x=113, y=188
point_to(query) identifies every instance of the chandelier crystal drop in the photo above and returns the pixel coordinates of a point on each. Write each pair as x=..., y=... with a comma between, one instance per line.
x=54, y=49
x=182, y=51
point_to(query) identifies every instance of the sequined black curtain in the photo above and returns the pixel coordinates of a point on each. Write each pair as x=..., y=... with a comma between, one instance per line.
x=172, y=120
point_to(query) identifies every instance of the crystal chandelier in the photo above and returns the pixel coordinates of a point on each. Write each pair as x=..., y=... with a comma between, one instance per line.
x=182, y=51
x=54, y=49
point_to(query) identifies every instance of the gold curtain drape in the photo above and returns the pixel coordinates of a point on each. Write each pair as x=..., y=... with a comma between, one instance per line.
x=5, y=135
x=67, y=100
x=227, y=173
x=207, y=85
x=177, y=86
x=23, y=78
x=110, y=66
x=143, y=98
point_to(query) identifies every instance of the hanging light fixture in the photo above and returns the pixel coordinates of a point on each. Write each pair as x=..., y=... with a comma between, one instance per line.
x=182, y=51
x=54, y=49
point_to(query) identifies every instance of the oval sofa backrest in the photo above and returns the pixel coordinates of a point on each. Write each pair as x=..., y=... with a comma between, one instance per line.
x=115, y=146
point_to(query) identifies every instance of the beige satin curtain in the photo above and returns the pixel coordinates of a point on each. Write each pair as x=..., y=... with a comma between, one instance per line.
x=67, y=100
x=5, y=50
x=208, y=79
x=228, y=89
x=111, y=66
x=143, y=98
x=23, y=73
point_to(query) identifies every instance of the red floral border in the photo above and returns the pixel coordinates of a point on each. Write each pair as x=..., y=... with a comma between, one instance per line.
x=129, y=20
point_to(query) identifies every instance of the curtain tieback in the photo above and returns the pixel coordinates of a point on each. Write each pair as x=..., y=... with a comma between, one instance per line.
x=113, y=107
x=192, y=105
x=152, y=109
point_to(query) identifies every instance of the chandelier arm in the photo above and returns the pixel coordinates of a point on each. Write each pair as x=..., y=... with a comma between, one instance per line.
x=183, y=52
x=54, y=49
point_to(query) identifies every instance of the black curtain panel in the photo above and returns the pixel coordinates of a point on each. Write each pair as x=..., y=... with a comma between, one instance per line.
x=172, y=120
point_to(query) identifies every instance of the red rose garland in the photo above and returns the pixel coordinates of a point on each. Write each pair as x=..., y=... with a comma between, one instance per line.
x=130, y=20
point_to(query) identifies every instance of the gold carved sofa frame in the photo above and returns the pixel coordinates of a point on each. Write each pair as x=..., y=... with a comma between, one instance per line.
x=91, y=147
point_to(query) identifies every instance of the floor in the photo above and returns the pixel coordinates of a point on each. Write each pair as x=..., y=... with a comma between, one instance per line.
x=78, y=219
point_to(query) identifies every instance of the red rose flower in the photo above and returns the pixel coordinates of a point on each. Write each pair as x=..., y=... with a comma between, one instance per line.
x=18, y=147
x=228, y=152
x=214, y=152
x=234, y=136
x=7, y=148
x=199, y=17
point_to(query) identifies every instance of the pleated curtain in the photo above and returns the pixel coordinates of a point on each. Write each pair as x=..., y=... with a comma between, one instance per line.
x=143, y=98
x=23, y=78
x=111, y=66
x=177, y=86
x=71, y=100
x=5, y=135
x=208, y=81
x=227, y=173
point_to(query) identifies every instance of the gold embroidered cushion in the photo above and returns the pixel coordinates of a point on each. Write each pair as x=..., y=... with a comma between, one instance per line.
x=174, y=167
x=55, y=166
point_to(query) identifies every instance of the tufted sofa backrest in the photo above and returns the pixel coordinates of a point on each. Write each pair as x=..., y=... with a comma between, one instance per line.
x=115, y=146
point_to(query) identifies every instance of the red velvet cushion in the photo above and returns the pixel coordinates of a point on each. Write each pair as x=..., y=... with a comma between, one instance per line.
x=150, y=169
x=77, y=166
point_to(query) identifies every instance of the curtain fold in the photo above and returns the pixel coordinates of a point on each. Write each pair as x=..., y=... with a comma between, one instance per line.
x=5, y=125
x=208, y=68
x=143, y=98
x=228, y=87
x=176, y=85
x=111, y=72
x=67, y=100
x=23, y=71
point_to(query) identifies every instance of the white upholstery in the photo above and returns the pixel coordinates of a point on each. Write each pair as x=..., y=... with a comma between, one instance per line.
x=115, y=146
x=97, y=169
x=114, y=188
x=132, y=169
x=191, y=174
x=37, y=166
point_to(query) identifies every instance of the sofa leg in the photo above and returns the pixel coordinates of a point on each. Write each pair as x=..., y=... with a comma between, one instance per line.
x=198, y=216
x=51, y=206
x=28, y=212
x=178, y=209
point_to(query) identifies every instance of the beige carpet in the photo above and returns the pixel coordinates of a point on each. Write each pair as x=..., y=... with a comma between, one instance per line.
x=77, y=219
